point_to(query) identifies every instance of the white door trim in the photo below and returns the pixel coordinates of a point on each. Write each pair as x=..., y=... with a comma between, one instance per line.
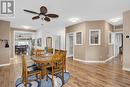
x=67, y=43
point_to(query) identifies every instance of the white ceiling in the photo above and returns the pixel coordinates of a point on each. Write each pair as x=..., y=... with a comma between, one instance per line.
x=84, y=9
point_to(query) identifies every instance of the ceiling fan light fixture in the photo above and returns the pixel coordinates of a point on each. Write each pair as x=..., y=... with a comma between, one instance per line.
x=43, y=15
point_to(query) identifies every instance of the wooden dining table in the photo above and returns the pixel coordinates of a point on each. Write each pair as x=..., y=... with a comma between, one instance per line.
x=44, y=62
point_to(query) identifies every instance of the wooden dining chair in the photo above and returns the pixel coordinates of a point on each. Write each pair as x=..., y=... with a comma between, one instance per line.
x=57, y=51
x=33, y=53
x=64, y=53
x=26, y=72
x=39, y=53
x=57, y=67
x=64, y=56
x=50, y=50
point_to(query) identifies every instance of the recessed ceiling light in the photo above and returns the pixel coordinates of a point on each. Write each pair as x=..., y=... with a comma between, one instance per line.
x=26, y=27
x=74, y=20
x=114, y=20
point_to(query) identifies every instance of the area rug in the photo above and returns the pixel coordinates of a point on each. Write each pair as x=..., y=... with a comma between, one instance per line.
x=44, y=82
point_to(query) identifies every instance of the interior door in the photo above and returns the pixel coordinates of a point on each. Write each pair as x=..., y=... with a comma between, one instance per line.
x=71, y=45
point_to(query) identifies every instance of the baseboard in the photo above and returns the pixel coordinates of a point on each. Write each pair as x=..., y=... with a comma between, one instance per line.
x=126, y=69
x=83, y=61
x=2, y=65
x=109, y=59
x=95, y=62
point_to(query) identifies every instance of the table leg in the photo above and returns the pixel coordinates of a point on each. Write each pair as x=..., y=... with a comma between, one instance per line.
x=44, y=71
x=42, y=67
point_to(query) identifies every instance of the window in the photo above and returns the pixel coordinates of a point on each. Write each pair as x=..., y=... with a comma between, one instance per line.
x=79, y=38
x=94, y=37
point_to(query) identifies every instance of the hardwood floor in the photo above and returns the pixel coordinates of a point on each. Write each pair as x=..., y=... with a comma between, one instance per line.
x=81, y=75
x=97, y=75
x=7, y=76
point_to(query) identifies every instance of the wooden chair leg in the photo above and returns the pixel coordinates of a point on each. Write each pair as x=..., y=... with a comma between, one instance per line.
x=62, y=76
x=65, y=68
x=47, y=77
x=41, y=75
x=42, y=72
x=52, y=77
x=37, y=76
x=25, y=82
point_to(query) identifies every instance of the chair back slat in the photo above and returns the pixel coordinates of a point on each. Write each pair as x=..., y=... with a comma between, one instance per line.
x=39, y=53
x=58, y=61
x=50, y=50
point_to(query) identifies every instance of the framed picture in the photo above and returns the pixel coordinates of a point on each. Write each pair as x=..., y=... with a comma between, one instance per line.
x=39, y=42
x=79, y=38
x=49, y=42
x=94, y=37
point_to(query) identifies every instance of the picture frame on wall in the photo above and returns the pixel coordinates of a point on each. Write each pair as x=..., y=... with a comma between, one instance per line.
x=39, y=42
x=49, y=42
x=79, y=38
x=94, y=37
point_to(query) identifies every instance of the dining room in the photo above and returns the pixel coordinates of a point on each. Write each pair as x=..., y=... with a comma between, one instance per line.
x=46, y=69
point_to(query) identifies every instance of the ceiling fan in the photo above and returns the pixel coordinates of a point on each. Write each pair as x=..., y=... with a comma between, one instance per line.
x=43, y=14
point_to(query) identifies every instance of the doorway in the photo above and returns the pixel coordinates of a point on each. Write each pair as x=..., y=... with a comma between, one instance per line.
x=23, y=42
x=118, y=44
x=70, y=45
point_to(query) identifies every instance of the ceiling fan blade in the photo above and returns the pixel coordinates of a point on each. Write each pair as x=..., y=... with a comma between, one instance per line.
x=43, y=10
x=47, y=19
x=52, y=15
x=30, y=11
x=35, y=17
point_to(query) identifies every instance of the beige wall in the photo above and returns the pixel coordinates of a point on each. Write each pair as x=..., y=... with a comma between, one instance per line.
x=21, y=29
x=109, y=47
x=126, y=41
x=95, y=52
x=79, y=50
x=118, y=28
x=92, y=53
x=4, y=34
